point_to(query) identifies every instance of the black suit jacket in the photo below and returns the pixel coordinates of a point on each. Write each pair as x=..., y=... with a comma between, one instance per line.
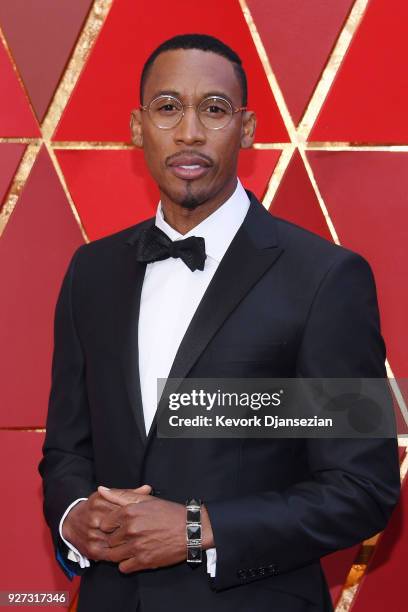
x=282, y=303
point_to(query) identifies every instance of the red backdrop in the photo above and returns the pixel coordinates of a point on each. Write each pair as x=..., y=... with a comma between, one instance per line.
x=329, y=84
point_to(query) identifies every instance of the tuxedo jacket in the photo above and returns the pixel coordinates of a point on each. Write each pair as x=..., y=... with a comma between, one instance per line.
x=282, y=303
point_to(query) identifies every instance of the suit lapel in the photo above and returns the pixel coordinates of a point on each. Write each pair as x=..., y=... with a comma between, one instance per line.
x=132, y=275
x=252, y=252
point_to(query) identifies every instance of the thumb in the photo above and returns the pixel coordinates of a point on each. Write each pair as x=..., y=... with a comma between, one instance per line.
x=143, y=490
x=124, y=496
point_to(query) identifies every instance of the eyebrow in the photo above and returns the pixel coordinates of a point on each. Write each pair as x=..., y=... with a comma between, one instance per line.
x=177, y=94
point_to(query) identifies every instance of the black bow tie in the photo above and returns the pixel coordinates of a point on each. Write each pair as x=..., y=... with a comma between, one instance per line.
x=155, y=245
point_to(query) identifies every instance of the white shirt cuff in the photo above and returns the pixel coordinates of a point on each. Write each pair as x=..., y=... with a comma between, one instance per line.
x=211, y=561
x=73, y=553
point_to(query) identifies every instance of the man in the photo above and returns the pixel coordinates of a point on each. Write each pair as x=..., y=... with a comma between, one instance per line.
x=265, y=298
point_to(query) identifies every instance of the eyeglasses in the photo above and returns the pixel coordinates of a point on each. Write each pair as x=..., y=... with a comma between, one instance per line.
x=214, y=112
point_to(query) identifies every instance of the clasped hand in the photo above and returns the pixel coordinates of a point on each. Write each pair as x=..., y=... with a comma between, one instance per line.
x=130, y=527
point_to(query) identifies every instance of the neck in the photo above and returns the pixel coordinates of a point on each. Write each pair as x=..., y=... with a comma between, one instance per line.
x=183, y=219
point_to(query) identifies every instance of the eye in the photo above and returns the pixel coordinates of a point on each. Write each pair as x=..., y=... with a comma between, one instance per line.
x=167, y=108
x=214, y=109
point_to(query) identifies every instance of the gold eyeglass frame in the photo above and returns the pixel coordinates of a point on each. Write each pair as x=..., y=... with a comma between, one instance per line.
x=146, y=107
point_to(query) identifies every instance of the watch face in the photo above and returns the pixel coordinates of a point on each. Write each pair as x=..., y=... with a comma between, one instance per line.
x=193, y=532
x=193, y=516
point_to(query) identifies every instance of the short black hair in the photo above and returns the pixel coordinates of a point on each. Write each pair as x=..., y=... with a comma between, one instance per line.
x=203, y=42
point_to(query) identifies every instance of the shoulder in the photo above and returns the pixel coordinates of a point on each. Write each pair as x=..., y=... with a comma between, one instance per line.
x=306, y=258
x=311, y=246
x=320, y=261
x=298, y=239
x=302, y=250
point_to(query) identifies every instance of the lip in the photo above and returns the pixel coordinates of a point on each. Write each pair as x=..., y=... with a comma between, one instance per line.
x=189, y=167
x=189, y=174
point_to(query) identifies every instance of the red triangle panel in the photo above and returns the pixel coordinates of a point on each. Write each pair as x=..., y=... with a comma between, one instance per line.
x=366, y=195
x=336, y=567
x=35, y=248
x=16, y=118
x=368, y=100
x=41, y=36
x=255, y=168
x=298, y=38
x=296, y=201
x=27, y=533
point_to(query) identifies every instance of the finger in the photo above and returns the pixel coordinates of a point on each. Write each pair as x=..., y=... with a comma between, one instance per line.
x=96, y=551
x=120, y=553
x=98, y=538
x=143, y=489
x=122, y=497
x=97, y=502
x=130, y=565
x=103, y=505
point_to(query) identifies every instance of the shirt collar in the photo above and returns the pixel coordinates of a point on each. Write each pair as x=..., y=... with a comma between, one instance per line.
x=219, y=228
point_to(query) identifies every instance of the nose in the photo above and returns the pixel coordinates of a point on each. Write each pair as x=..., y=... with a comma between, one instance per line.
x=189, y=130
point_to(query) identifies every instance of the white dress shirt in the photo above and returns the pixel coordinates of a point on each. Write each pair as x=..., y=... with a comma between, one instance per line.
x=170, y=296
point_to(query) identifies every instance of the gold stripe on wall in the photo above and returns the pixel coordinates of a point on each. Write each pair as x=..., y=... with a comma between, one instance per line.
x=25, y=428
x=64, y=186
x=299, y=135
x=330, y=71
x=18, y=182
x=86, y=40
x=28, y=159
x=361, y=564
x=83, y=48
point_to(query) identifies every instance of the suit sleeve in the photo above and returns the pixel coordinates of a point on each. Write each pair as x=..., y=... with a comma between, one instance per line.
x=67, y=464
x=354, y=484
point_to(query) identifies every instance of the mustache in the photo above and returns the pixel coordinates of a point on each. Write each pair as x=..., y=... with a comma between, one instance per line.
x=190, y=153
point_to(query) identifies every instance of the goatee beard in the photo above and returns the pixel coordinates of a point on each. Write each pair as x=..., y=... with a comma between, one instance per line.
x=190, y=201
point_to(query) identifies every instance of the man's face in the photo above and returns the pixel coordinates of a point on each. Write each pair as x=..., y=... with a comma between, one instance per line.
x=192, y=75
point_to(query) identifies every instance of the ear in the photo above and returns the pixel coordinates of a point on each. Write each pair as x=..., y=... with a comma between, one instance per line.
x=248, y=129
x=136, y=128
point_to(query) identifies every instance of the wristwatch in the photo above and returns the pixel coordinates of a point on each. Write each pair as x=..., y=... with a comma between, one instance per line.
x=193, y=531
